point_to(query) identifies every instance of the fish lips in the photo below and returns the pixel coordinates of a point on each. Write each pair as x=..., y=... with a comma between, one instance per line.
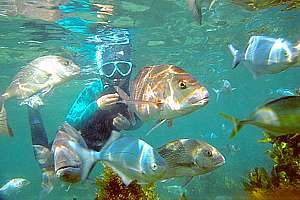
x=219, y=161
x=199, y=98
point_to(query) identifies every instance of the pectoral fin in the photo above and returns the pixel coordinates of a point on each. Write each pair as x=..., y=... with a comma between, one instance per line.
x=125, y=179
x=187, y=181
x=156, y=125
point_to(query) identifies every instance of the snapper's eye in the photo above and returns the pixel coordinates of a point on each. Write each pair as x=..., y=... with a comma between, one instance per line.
x=67, y=62
x=207, y=153
x=154, y=166
x=182, y=84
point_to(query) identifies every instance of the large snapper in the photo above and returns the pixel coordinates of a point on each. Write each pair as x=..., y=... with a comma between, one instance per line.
x=40, y=75
x=164, y=92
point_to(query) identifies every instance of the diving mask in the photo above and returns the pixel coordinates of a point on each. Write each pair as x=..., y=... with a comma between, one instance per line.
x=122, y=67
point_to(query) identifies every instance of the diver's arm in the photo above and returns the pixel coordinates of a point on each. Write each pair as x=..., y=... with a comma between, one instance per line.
x=85, y=105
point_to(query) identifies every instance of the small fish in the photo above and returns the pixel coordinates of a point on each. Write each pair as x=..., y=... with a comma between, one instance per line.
x=283, y=92
x=164, y=92
x=189, y=158
x=278, y=117
x=225, y=88
x=131, y=158
x=39, y=76
x=13, y=186
x=195, y=7
x=266, y=55
x=230, y=149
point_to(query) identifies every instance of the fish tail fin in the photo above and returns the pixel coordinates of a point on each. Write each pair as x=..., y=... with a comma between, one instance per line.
x=238, y=124
x=194, y=6
x=218, y=92
x=88, y=158
x=236, y=56
x=4, y=127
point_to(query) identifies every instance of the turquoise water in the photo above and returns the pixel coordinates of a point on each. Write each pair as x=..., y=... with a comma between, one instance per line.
x=178, y=39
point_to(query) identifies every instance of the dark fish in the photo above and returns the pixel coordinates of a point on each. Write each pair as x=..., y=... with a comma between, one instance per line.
x=278, y=117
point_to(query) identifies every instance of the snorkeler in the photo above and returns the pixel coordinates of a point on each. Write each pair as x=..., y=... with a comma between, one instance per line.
x=95, y=112
x=98, y=101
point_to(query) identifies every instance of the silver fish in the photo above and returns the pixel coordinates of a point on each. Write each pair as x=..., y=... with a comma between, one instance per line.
x=39, y=76
x=266, y=55
x=131, y=158
x=189, y=158
x=225, y=88
x=13, y=186
x=283, y=92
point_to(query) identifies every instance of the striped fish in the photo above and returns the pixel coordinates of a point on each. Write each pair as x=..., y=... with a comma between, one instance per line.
x=164, y=92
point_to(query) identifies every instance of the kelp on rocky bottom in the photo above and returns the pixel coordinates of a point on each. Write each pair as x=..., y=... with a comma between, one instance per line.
x=111, y=187
x=284, y=180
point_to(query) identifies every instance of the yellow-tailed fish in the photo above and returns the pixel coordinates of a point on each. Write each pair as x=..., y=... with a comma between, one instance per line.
x=189, y=158
x=39, y=76
x=164, y=92
x=278, y=117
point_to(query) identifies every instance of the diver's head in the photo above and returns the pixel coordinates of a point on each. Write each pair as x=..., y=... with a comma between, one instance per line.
x=114, y=64
x=116, y=73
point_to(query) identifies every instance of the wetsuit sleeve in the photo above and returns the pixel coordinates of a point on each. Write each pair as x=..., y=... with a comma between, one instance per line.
x=85, y=105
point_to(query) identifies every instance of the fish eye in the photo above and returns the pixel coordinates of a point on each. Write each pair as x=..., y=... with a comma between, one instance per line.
x=154, y=166
x=182, y=84
x=207, y=153
x=67, y=62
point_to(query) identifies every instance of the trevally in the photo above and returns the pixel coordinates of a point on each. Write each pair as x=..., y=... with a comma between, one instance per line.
x=131, y=158
x=266, y=55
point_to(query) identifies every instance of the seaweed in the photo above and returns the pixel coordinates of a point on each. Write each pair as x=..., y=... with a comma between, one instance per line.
x=111, y=187
x=284, y=179
x=264, y=4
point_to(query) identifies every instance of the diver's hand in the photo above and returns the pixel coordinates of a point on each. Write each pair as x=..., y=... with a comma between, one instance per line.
x=121, y=122
x=107, y=100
